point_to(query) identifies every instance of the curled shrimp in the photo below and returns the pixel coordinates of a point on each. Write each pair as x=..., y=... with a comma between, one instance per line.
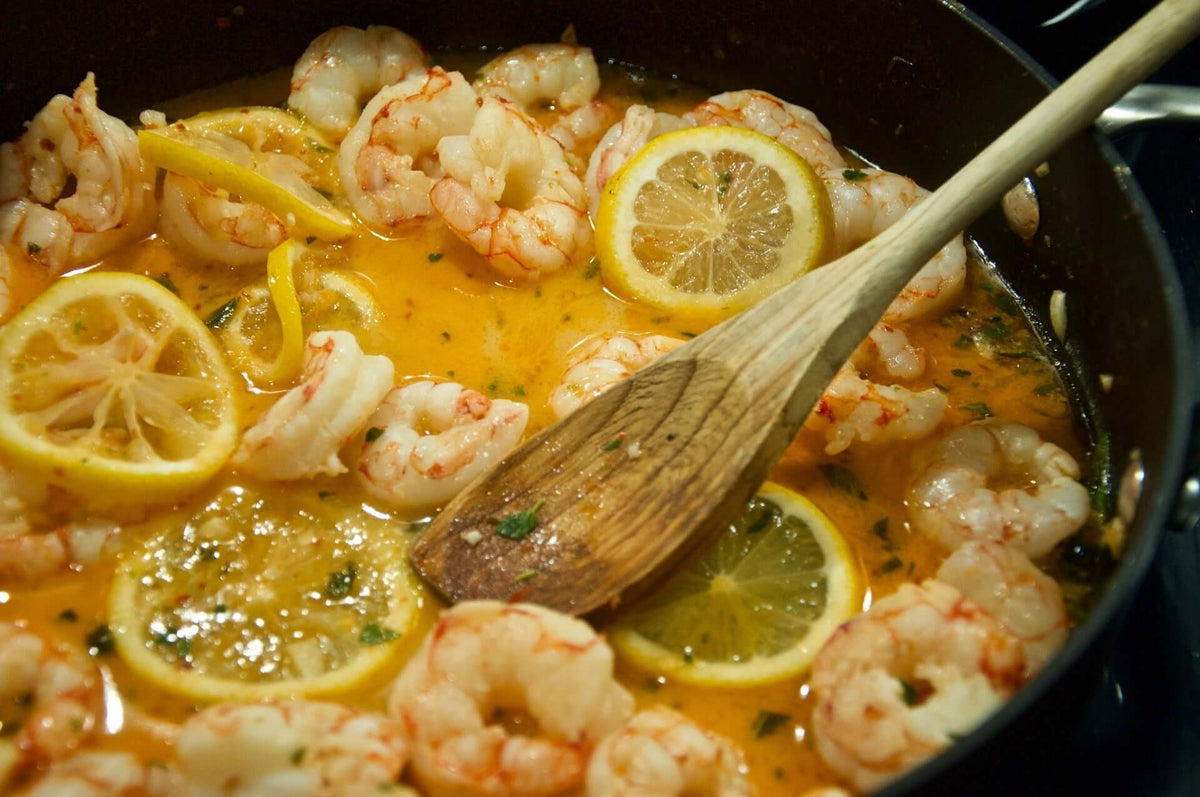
x=791, y=125
x=868, y=201
x=29, y=556
x=579, y=131
x=890, y=347
x=563, y=74
x=388, y=161
x=483, y=657
x=211, y=224
x=1026, y=601
x=951, y=500
x=598, y=365
x=510, y=194
x=852, y=408
x=300, y=436
x=51, y=701
x=660, y=753
x=345, y=66
x=434, y=439
x=97, y=774
x=298, y=748
x=640, y=124
x=112, y=200
x=898, y=683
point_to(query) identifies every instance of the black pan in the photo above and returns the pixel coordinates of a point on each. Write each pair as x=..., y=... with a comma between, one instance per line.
x=917, y=85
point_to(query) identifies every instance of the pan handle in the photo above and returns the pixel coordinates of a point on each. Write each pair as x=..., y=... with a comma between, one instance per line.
x=1151, y=105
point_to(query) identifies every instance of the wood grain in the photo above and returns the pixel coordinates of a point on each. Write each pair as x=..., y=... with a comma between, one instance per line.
x=709, y=420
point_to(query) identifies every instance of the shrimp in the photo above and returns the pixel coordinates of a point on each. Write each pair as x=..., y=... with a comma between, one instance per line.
x=1025, y=600
x=388, y=160
x=297, y=748
x=434, y=439
x=344, y=66
x=897, y=684
x=6, y=276
x=620, y=143
x=510, y=194
x=563, y=74
x=662, y=754
x=892, y=349
x=28, y=556
x=868, y=201
x=213, y=225
x=111, y=201
x=852, y=408
x=551, y=672
x=51, y=701
x=104, y=775
x=951, y=502
x=600, y=364
x=795, y=127
x=583, y=127
x=301, y=434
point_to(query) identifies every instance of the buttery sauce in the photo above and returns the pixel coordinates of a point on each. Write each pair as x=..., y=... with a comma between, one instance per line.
x=446, y=316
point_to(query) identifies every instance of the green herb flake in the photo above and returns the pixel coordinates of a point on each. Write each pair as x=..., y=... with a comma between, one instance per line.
x=880, y=530
x=688, y=335
x=723, y=180
x=854, y=175
x=78, y=326
x=374, y=635
x=67, y=616
x=298, y=755
x=844, y=479
x=434, y=257
x=978, y=408
x=323, y=494
x=517, y=525
x=961, y=373
x=164, y=279
x=519, y=390
x=317, y=146
x=494, y=385
x=908, y=692
x=1004, y=303
x=340, y=582
x=767, y=722
x=963, y=342
x=222, y=314
x=994, y=331
x=694, y=184
x=373, y=434
x=32, y=248
x=941, y=387
x=310, y=239
x=612, y=445
x=220, y=608
x=445, y=336
x=100, y=641
x=1045, y=389
x=593, y=269
x=760, y=523
x=525, y=575
x=891, y=565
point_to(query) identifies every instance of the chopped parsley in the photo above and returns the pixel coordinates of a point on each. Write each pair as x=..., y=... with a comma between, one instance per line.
x=222, y=314
x=374, y=635
x=164, y=279
x=723, y=183
x=298, y=755
x=519, y=390
x=67, y=616
x=880, y=530
x=908, y=692
x=961, y=373
x=890, y=565
x=1045, y=389
x=767, y=722
x=612, y=445
x=340, y=582
x=593, y=269
x=32, y=248
x=100, y=641
x=854, y=175
x=844, y=479
x=445, y=335
x=310, y=239
x=1004, y=303
x=963, y=342
x=517, y=525
x=979, y=409
x=434, y=257
x=317, y=147
x=995, y=331
x=525, y=575
x=323, y=494
x=373, y=434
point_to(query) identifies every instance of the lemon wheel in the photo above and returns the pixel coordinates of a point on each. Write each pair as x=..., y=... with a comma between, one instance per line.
x=756, y=607
x=111, y=387
x=264, y=594
x=709, y=220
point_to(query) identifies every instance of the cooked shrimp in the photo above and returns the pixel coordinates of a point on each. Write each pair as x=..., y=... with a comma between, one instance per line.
x=553, y=672
x=898, y=683
x=345, y=66
x=795, y=127
x=581, y=129
x=296, y=748
x=891, y=348
x=600, y=364
x=5, y=289
x=510, y=194
x=433, y=440
x=868, y=201
x=1025, y=600
x=621, y=142
x=663, y=754
x=51, y=700
x=104, y=775
x=29, y=555
x=562, y=74
x=951, y=502
x=388, y=161
x=299, y=437
x=110, y=202
x=214, y=226
x=852, y=408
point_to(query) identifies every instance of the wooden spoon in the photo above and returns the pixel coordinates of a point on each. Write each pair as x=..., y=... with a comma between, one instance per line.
x=699, y=430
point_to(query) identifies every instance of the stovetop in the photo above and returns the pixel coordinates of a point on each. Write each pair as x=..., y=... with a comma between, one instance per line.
x=1142, y=733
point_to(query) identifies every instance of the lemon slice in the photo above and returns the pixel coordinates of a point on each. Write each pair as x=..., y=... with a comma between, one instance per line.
x=266, y=129
x=280, y=299
x=756, y=607
x=710, y=220
x=111, y=387
x=264, y=594
x=224, y=162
